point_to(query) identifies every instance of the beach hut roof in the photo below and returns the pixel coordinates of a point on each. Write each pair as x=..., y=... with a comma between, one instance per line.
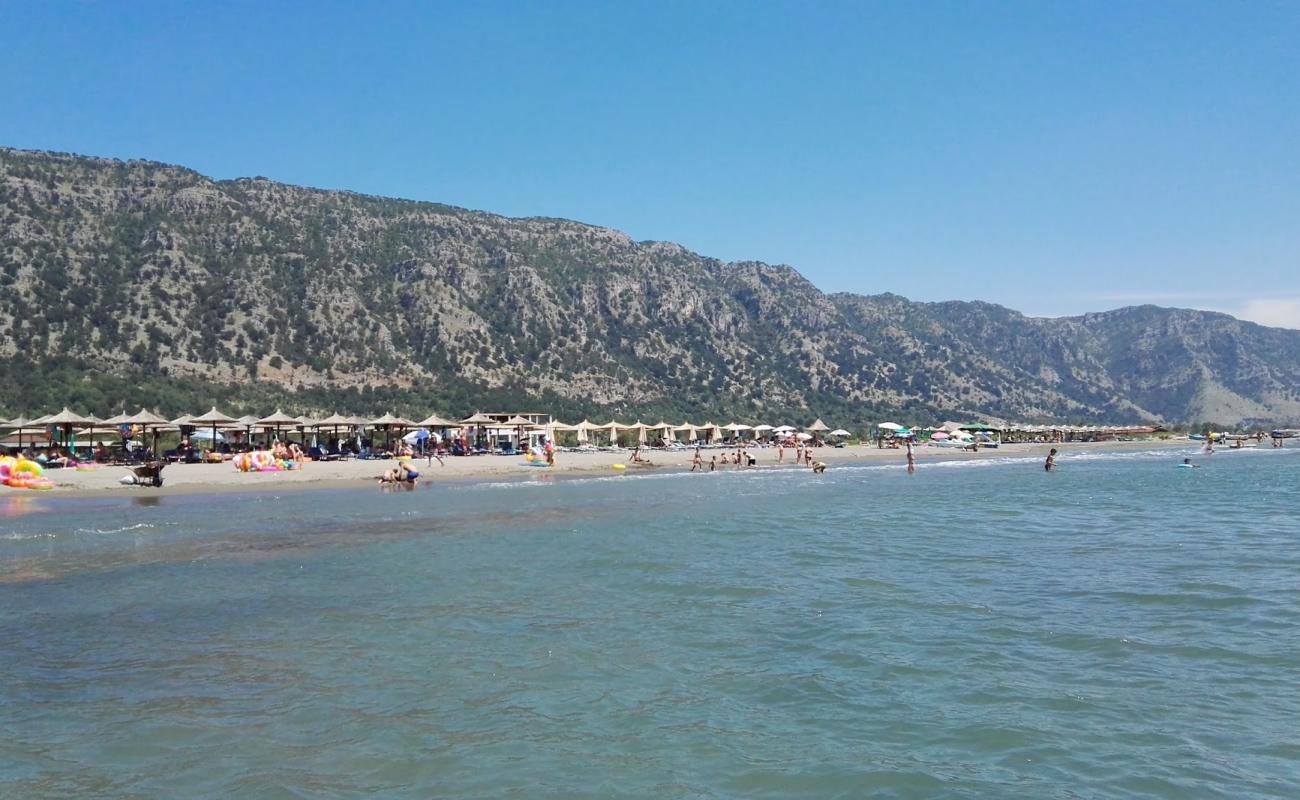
x=19, y=423
x=819, y=426
x=181, y=421
x=479, y=418
x=118, y=419
x=278, y=418
x=213, y=417
x=435, y=421
x=64, y=417
x=146, y=418
x=307, y=422
x=517, y=420
x=336, y=420
x=393, y=421
x=247, y=421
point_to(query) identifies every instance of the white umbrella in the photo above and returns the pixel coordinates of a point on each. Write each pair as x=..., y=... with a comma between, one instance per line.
x=840, y=432
x=890, y=426
x=803, y=436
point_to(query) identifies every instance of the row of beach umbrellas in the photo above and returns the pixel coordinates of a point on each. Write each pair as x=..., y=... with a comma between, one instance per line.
x=213, y=421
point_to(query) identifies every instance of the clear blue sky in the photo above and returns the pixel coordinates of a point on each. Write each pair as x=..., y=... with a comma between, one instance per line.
x=1055, y=157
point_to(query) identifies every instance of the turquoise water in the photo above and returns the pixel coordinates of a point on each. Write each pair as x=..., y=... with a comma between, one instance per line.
x=1120, y=628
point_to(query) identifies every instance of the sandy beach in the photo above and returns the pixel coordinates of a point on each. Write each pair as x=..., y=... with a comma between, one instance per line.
x=223, y=478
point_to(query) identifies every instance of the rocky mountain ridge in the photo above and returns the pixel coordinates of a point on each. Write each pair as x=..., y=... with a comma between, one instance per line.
x=140, y=271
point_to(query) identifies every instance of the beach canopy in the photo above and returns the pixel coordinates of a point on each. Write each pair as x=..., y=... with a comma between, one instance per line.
x=764, y=428
x=20, y=424
x=307, y=422
x=783, y=428
x=803, y=436
x=939, y=435
x=517, y=421
x=278, y=419
x=337, y=420
x=148, y=419
x=736, y=427
x=890, y=426
x=388, y=420
x=478, y=419
x=65, y=417
x=819, y=426
x=840, y=432
x=686, y=426
x=560, y=426
x=213, y=417
x=435, y=421
x=116, y=419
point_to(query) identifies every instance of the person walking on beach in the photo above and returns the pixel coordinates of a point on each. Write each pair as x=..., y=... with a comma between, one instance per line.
x=433, y=441
x=911, y=459
x=696, y=461
x=1051, y=460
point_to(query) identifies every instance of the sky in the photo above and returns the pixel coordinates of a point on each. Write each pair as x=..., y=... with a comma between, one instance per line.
x=1054, y=157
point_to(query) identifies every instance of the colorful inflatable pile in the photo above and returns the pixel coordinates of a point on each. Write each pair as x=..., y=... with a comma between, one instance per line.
x=261, y=461
x=19, y=473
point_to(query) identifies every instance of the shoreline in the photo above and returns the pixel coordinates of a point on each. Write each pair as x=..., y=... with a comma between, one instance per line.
x=223, y=479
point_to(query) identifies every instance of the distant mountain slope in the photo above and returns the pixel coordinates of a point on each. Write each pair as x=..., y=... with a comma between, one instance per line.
x=137, y=269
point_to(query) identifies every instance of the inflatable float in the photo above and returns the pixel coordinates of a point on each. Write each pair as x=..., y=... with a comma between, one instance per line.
x=20, y=473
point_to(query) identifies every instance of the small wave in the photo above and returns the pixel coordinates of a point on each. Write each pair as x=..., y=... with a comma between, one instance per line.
x=136, y=527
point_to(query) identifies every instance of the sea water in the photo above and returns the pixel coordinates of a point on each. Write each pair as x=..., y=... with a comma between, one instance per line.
x=1118, y=628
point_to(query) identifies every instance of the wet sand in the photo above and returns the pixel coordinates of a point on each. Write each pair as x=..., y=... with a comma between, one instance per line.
x=224, y=478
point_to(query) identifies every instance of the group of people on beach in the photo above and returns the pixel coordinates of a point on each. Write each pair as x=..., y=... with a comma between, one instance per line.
x=741, y=459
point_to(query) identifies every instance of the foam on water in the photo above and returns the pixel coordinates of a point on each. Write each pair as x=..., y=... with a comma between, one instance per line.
x=978, y=629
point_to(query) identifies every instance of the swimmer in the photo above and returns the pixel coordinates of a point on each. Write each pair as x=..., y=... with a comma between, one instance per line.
x=1051, y=460
x=818, y=467
x=1187, y=462
x=911, y=458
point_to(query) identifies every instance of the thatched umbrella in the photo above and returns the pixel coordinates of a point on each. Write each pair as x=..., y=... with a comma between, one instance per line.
x=148, y=420
x=519, y=424
x=277, y=421
x=65, y=419
x=213, y=418
x=388, y=422
x=19, y=425
x=478, y=421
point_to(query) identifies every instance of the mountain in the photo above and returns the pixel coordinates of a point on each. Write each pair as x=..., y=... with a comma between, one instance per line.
x=137, y=282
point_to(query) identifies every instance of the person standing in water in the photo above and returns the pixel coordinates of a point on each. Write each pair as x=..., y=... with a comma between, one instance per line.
x=911, y=458
x=1051, y=460
x=696, y=461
